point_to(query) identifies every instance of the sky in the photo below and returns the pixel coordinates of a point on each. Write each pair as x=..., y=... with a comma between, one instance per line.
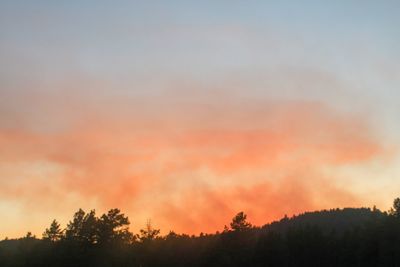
x=187, y=112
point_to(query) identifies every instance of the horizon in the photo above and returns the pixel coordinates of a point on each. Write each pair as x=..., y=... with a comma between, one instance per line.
x=163, y=234
x=174, y=111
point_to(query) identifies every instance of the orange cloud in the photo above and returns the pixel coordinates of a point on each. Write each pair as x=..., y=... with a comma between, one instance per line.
x=207, y=210
x=192, y=177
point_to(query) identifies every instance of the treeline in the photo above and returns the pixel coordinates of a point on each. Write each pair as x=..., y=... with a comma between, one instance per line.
x=338, y=237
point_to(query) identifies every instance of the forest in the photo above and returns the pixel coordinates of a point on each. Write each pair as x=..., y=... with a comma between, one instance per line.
x=336, y=237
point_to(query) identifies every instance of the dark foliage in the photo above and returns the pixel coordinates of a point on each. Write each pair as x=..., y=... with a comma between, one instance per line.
x=339, y=237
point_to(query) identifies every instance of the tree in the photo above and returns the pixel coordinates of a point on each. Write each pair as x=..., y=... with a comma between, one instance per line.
x=113, y=227
x=395, y=210
x=239, y=222
x=29, y=236
x=171, y=235
x=88, y=232
x=149, y=233
x=83, y=228
x=74, y=227
x=226, y=229
x=54, y=233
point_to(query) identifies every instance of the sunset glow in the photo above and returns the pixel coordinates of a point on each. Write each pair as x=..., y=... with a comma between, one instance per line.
x=186, y=114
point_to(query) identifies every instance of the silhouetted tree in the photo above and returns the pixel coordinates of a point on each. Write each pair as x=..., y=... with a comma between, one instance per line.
x=171, y=235
x=54, y=232
x=148, y=233
x=74, y=227
x=226, y=229
x=338, y=237
x=113, y=227
x=395, y=210
x=83, y=228
x=239, y=222
x=29, y=235
x=89, y=229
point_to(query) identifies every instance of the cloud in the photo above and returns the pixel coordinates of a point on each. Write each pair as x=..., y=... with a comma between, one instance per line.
x=192, y=177
x=208, y=210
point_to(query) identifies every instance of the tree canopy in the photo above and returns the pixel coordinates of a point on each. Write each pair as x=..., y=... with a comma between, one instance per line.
x=337, y=237
x=240, y=223
x=395, y=210
x=54, y=232
x=148, y=233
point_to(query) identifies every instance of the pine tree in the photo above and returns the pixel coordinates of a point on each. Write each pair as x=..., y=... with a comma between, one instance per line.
x=113, y=227
x=54, y=233
x=395, y=210
x=74, y=227
x=239, y=222
x=149, y=233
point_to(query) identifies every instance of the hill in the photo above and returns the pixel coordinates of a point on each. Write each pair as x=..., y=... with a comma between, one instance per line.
x=338, y=237
x=339, y=220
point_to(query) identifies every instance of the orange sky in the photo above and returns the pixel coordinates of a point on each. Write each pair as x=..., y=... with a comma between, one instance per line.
x=187, y=112
x=190, y=176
